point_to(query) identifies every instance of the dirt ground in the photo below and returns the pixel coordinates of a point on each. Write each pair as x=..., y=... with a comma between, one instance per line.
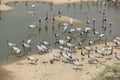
x=60, y=70
x=4, y=74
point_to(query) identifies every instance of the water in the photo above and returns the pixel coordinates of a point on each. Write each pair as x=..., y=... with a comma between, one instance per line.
x=14, y=24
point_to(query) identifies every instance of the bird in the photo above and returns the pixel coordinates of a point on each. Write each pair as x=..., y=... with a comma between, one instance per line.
x=44, y=47
x=68, y=38
x=95, y=0
x=82, y=33
x=65, y=49
x=104, y=12
x=32, y=59
x=96, y=33
x=53, y=18
x=33, y=5
x=31, y=12
x=103, y=26
x=110, y=23
x=62, y=42
x=17, y=50
x=88, y=48
x=75, y=47
x=28, y=41
x=40, y=49
x=27, y=44
x=117, y=56
x=32, y=26
x=90, y=42
x=93, y=20
x=46, y=43
x=57, y=36
x=40, y=21
x=82, y=53
x=71, y=30
x=87, y=21
x=71, y=21
x=69, y=54
x=100, y=51
x=104, y=3
x=72, y=56
x=65, y=28
x=114, y=1
x=78, y=29
x=77, y=63
x=104, y=19
x=46, y=18
x=66, y=56
x=106, y=43
x=79, y=45
x=87, y=29
x=69, y=45
x=60, y=12
x=53, y=56
x=101, y=35
x=118, y=42
x=118, y=38
x=109, y=52
x=65, y=24
x=91, y=56
x=10, y=44
x=50, y=0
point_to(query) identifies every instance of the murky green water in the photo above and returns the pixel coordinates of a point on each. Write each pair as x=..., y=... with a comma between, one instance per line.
x=14, y=24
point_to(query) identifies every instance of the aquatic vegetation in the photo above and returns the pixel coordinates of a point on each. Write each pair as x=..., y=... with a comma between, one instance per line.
x=59, y=25
x=109, y=73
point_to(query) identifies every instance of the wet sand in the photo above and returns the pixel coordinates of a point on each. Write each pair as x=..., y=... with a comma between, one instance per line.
x=43, y=70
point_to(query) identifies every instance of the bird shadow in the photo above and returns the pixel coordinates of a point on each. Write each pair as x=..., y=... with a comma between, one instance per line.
x=77, y=69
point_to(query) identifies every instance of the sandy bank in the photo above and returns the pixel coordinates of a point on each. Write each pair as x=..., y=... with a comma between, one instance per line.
x=56, y=2
x=4, y=74
x=4, y=7
x=66, y=19
x=59, y=70
x=118, y=19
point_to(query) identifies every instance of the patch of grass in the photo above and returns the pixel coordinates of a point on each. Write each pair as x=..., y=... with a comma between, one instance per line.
x=109, y=73
x=4, y=74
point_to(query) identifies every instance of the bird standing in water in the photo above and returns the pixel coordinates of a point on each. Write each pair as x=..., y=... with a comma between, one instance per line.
x=71, y=21
x=60, y=12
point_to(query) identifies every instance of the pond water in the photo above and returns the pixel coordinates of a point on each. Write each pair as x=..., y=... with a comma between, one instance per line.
x=14, y=24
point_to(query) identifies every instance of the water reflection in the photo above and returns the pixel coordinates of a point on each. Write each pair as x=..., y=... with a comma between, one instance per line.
x=74, y=5
x=59, y=25
x=26, y=4
x=39, y=30
x=53, y=28
x=46, y=29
